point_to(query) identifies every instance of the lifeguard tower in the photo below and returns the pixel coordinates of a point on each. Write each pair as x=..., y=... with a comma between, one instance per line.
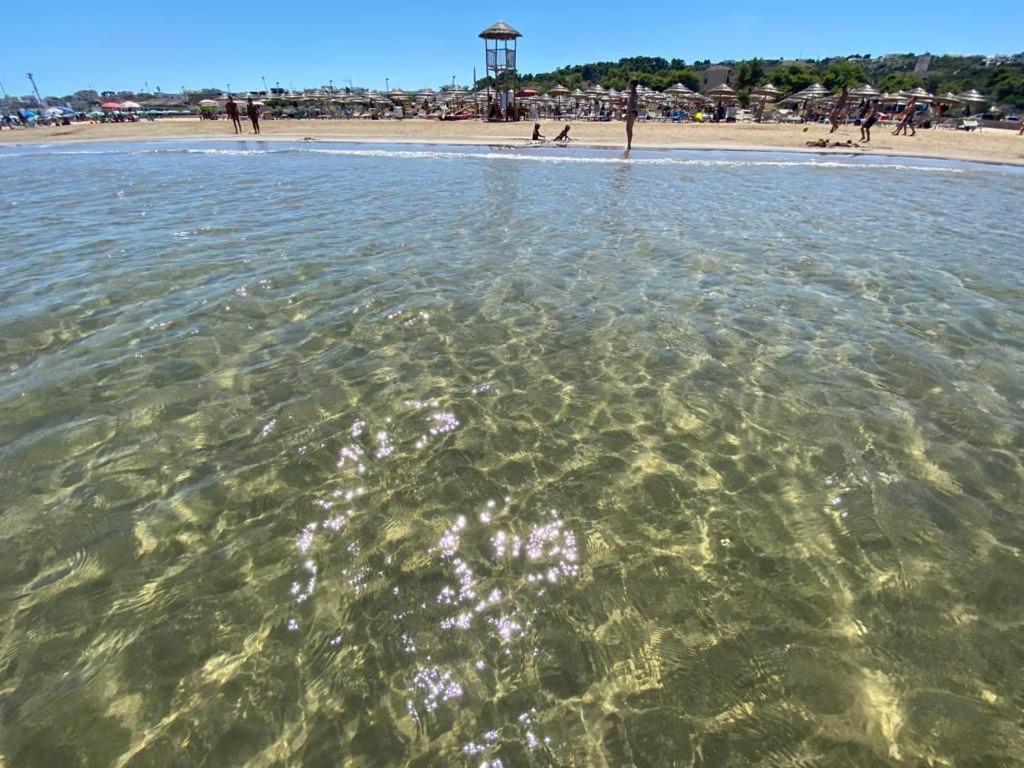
x=500, y=62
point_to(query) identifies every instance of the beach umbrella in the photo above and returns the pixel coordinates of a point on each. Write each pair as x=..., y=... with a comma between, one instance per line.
x=110, y=105
x=526, y=92
x=864, y=91
x=972, y=97
x=52, y=112
x=766, y=92
x=812, y=92
x=722, y=91
x=130, y=105
x=949, y=98
x=558, y=91
x=919, y=93
x=397, y=94
x=203, y=103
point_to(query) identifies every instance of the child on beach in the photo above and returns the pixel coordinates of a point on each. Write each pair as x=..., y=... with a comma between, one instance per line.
x=563, y=135
x=537, y=135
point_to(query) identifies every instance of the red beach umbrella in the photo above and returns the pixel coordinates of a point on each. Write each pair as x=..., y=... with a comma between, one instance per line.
x=110, y=105
x=526, y=92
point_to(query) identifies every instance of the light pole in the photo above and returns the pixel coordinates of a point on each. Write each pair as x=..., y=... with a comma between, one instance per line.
x=387, y=86
x=35, y=88
x=265, y=91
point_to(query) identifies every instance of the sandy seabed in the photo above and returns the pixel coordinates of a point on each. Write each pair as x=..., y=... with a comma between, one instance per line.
x=987, y=145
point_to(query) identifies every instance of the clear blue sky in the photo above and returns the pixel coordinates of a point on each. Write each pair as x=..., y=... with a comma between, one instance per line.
x=114, y=45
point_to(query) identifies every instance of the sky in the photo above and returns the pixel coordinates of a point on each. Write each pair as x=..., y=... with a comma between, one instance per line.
x=116, y=45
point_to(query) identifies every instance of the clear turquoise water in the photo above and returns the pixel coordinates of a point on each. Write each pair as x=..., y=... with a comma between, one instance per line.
x=335, y=454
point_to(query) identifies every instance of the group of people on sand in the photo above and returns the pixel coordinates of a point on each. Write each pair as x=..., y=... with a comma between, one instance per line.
x=869, y=116
x=632, y=112
x=251, y=109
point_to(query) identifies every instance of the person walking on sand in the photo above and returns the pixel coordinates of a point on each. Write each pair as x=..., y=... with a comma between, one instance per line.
x=254, y=114
x=632, y=111
x=869, y=119
x=906, y=118
x=838, y=113
x=232, y=110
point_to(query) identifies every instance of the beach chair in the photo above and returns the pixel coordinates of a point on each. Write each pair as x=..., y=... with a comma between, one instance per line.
x=970, y=124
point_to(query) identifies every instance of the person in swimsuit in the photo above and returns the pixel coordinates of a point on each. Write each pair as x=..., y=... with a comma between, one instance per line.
x=232, y=110
x=254, y=115
x=838, y=113
x=564, y=135
x=870, y=118
x=632, y=110
x=906, y=118
x=537, y=135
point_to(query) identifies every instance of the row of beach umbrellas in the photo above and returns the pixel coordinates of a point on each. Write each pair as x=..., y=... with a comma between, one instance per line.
x=677, y=93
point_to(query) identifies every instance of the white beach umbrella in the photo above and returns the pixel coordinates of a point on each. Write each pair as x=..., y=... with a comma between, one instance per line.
x=972, y=97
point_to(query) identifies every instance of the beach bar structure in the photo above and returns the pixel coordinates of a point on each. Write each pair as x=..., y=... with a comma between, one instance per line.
x=500, y=58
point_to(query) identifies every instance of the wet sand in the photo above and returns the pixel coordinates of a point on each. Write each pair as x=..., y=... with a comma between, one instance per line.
x=988, y=145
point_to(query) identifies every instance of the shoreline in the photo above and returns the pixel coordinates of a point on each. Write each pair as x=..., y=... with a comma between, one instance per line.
x=989, y=147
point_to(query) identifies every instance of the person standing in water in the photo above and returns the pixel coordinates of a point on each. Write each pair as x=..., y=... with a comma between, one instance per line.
x=632, y=110
x=254, y=114
x=232, y=110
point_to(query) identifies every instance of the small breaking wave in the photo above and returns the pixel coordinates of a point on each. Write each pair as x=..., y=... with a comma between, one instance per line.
x=516, y=154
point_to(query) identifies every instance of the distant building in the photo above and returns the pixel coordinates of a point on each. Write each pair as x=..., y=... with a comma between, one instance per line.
x=715, y=75
x=923, y=62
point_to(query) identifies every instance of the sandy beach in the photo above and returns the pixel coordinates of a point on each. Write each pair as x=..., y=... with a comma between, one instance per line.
x=987, y=145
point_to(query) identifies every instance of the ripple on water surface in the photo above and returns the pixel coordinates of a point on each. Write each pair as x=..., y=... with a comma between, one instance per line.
x=321, y=454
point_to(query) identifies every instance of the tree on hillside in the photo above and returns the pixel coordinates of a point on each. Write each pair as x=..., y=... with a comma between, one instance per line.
x=840, y=73
x=793, y=77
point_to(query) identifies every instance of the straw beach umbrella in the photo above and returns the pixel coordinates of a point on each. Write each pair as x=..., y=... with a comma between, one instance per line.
x=865, y=91
x=558, y=91
x=721, y=92
x=769, y=92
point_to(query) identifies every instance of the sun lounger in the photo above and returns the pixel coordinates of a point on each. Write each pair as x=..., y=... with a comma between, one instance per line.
x=970, y=124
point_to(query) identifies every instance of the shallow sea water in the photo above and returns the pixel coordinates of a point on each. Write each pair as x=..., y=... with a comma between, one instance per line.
x=320, y=455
